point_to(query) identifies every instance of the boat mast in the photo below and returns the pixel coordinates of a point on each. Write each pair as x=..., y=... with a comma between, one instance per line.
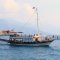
x=36, y=10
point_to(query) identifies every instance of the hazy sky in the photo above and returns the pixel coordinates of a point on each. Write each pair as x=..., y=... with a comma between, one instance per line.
x=19, y=15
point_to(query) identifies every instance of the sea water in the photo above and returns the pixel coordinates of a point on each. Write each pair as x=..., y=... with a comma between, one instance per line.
x=10, y=52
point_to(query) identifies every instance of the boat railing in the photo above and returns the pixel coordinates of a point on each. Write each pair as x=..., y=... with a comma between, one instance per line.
x=21, y=37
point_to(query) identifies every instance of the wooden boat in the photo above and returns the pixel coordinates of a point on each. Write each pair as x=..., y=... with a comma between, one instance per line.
x=27, y=40
x=32, y=40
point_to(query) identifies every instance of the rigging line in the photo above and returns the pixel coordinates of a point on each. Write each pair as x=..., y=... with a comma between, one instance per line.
x=29, y=20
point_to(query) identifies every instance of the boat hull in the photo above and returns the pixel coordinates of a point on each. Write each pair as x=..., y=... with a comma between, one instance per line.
x=31, y=43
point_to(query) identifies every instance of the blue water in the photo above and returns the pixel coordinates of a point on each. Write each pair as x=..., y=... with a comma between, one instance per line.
x=8, y=52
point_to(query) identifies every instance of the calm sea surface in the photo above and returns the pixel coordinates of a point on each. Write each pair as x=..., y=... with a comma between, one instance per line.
x=8, y=52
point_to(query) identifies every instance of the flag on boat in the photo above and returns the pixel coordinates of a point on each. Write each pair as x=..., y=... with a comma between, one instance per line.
x=33, y=7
